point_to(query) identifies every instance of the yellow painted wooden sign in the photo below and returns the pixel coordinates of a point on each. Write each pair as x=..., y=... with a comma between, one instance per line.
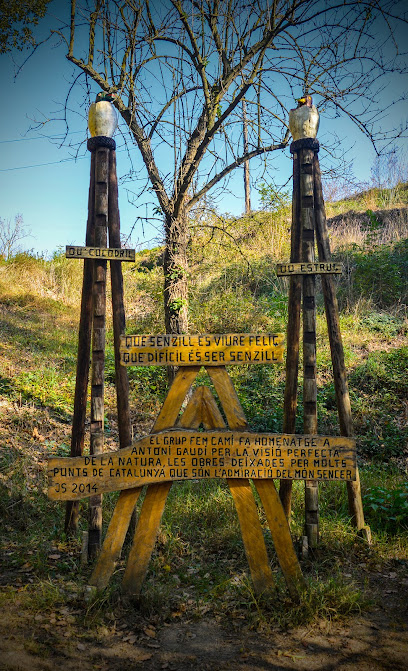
x=111, y=253
x=317, y=267
x=185, y=454
x=206, y=350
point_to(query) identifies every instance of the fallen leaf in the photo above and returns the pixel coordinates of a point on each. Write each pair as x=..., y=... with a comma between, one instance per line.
x=37, y=435
x=149, y=631
x=81, y=646
x=55, y=557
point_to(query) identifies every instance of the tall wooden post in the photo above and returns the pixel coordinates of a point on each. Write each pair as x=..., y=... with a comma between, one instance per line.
x=98, y=339
x=118, y=308
x=103, y=216
x=308, y=221
x=337, y=354
x=293, y=329
x=309, y=334
x=84, y=346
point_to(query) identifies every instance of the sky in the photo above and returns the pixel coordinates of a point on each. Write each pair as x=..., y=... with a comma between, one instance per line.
x=48, y=186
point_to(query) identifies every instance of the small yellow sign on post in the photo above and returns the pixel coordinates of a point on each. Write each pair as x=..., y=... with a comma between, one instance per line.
x=315, y=268
x=206, y=350
x=110, y=253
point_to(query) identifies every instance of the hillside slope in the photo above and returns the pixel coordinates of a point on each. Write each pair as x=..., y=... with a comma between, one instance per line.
x=199, y=569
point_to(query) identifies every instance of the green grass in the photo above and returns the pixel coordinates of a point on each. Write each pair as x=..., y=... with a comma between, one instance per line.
x=199, y=565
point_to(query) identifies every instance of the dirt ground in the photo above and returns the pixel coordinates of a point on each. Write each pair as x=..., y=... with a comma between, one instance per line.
x=375, y=640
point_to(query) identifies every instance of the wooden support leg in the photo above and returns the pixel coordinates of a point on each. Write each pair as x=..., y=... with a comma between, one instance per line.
x=98, y=342
x=280, y=531
x=115, y=537
x=337, y=352
x=118, y=309
x=83, y=357
x=293, y=332
x=156, y=495
x=145, y=537
x=309, y=335
x=252, y=535
x=241, y=491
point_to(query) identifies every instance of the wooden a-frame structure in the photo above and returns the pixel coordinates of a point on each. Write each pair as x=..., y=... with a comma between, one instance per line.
x=201, y=409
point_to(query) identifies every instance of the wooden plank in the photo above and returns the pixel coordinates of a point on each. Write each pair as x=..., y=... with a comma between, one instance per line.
x=293, y=331
x=228, y=397
x=118, y=310
x=115, y=537
x=83, y=355
x=208, y=350
x=174, y=400
x=98, y=345
x=245, y=505
x=252, y=535
x=109, y=253
x=210, y=412
x=308, y=268
x=309, y=334
x=212, y=419
x=145, y=537
x=192, y=415
x=156, y=495
x=337, y=352
x=279, y=526
x=182, y=454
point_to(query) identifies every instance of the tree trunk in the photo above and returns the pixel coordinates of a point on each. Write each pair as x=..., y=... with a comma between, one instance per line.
x=247, y=187
x=175, y=266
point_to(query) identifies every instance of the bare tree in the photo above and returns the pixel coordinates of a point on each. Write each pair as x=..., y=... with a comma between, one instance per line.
x=247, y=185
x=182, y=69
x=11, y=234
x=17, y=17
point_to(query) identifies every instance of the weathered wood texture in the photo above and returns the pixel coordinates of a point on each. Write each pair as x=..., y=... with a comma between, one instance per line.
x=315, y=268
x=98, y=344
x=156, y=495
x=115, y=537
x=118, y=309
x=182, y=454
x=293, y=331
x=212, y=419
x=110, y=254
x=275, y=514
x=208, y=350
x=225, y=389
x=83, y=356
x=240, y=488
x=336, y=347
x=203, y=409
x=306, y=157
x=279, y=526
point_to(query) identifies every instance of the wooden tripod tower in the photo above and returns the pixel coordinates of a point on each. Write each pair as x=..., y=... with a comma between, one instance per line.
x=309, y=228
x=103, y=226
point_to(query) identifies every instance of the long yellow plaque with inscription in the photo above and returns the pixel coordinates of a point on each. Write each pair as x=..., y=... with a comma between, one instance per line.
x=315, y=268
x=206, y=350
x=185, y=454
x=109, y=253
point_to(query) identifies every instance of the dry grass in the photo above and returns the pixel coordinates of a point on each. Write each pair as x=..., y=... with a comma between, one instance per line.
x=366, y=229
